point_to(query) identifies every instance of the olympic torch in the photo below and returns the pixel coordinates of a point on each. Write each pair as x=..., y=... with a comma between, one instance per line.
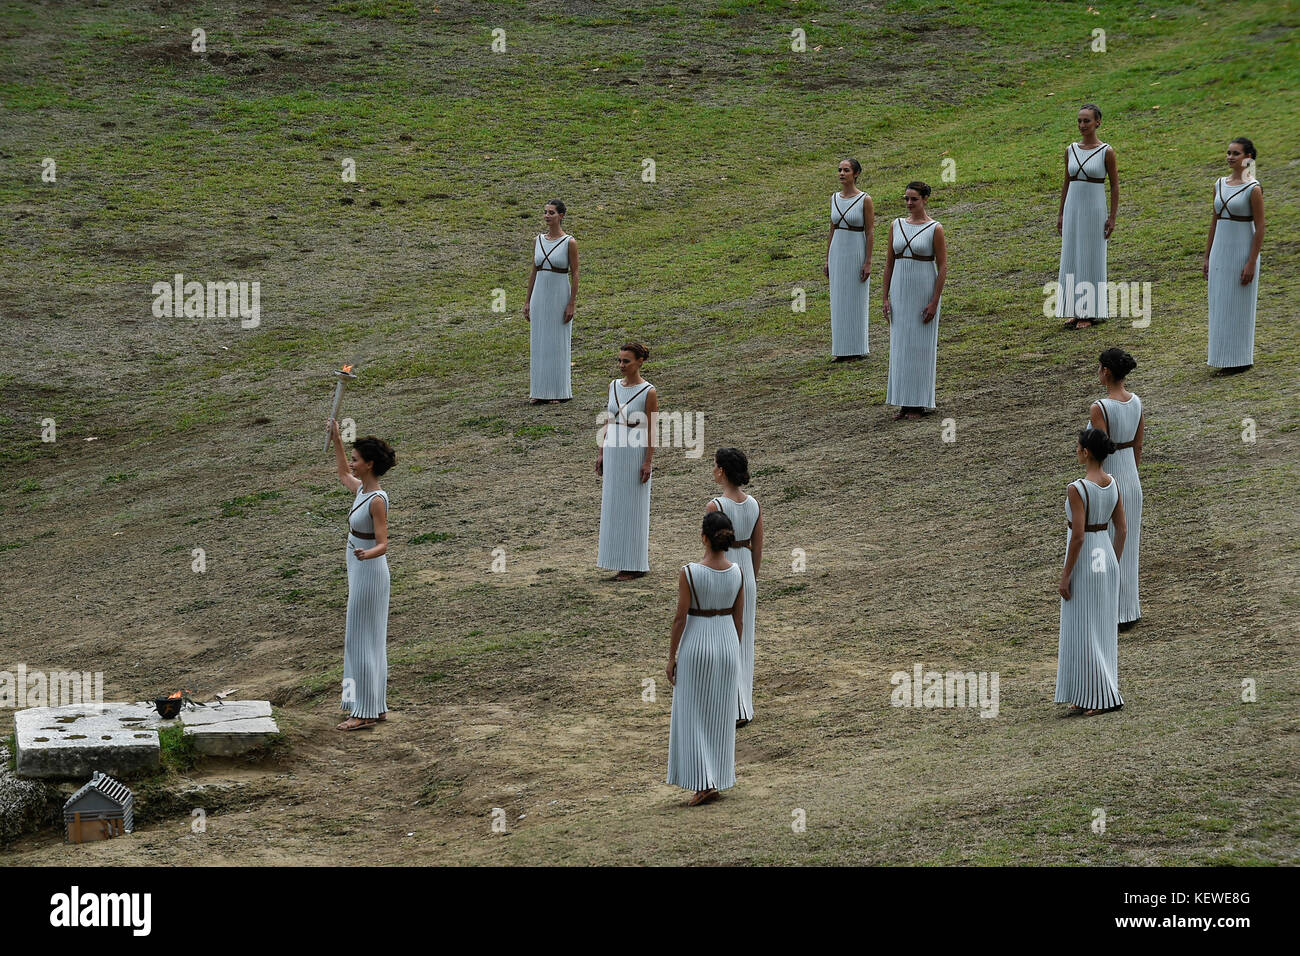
x=343, y=375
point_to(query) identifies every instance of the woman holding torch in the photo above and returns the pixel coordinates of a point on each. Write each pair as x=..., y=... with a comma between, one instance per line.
x=365, y=651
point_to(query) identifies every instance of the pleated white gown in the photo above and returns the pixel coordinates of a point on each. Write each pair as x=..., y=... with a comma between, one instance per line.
x=913, y=344
x=1122, y=419
x=702, y=738
x=849, y=295
x=1232, y=305
x=365, y=646
x=1087, y=666
x=624, y=498
x=550, y=337
x=744, y=517
x=1082, y=275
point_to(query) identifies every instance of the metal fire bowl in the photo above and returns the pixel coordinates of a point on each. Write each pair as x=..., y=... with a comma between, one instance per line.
x=168, y=707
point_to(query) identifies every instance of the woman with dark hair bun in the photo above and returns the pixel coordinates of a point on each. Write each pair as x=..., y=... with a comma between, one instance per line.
x=1232, y=261
x=1121, y=417
x=625, y=463
x=731, y=470
x=1087, y=666
x=848, y=264
x=365, y=644
x=915, y=272
x=548, y=309
x=1084, y=226
x=704, y=666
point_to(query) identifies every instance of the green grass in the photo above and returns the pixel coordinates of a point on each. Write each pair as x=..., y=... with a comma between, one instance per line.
x=176, y=751
x=219, y=168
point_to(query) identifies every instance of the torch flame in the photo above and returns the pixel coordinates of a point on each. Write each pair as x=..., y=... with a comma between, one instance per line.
x=347, y=368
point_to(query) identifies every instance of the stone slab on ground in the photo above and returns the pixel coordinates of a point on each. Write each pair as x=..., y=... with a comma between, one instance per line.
x=227, y=731
x=73, y=741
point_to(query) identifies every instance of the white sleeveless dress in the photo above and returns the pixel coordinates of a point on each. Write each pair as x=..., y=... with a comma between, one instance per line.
x=1122, y=420
x=744, y=518
x=702, y=738
x=1232, y=305
x=913, y=344
x=850, y=325
x=624, y=497
x=1082, y=275
x=365, y=644
x=1087, y=671
x=550, y=338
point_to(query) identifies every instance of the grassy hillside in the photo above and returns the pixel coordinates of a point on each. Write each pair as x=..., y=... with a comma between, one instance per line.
x=523, y=690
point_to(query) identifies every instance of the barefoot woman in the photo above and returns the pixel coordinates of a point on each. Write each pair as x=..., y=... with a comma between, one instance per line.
x=704, y=666
x=365, y=650
x=848, y=264
x=1084, y=226
x=915, y=271
x=1232, y=261
x=625, y=464
x=548, y=308
x=1087, y=667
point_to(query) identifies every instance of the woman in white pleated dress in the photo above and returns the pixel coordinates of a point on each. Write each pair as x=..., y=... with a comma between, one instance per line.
x=731, y=470
x=1083, y=224
x=1121, y=417
x=848, y=264
x=548, y=309
x=1232, y=261
x=915, y=272
x=625, y=464
x=704, y=666
x=365, y=643
x=1087, y=666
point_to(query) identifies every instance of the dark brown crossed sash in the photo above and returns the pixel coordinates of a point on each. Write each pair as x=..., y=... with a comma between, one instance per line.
x=843, y=214
x=1081, y=176
x=622, y=406
x=907, y=243
x=1224, y=214
x=546, y=256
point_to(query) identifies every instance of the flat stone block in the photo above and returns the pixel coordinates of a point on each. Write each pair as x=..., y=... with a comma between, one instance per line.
x=235, y=728
x=72, y=742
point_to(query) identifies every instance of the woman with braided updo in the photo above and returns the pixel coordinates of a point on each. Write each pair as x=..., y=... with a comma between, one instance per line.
x=1121, y=417
x=731, y=470
x=1087, y=674
x=704, y=666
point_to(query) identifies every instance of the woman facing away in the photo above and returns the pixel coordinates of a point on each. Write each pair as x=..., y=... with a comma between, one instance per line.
x=1121, y=416
x=1087, y=668
x=731, y=471
x=704, y=666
